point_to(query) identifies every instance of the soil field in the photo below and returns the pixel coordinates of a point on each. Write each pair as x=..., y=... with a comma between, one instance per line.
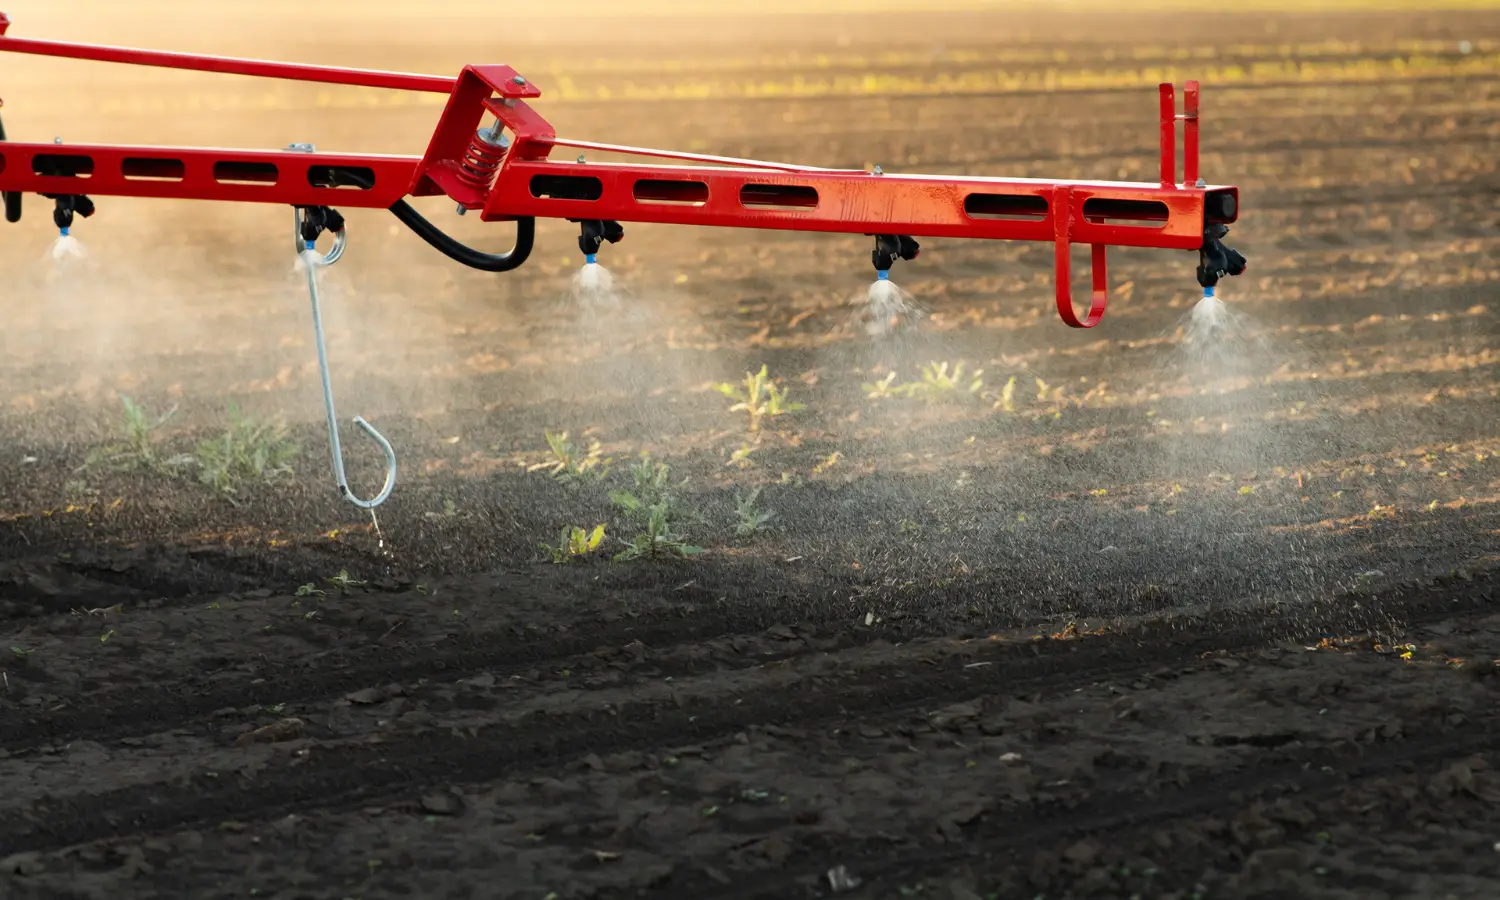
x=1125, y=612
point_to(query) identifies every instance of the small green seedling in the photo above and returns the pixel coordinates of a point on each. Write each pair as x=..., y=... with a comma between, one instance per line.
x=939, y=383
x=137, y=450
x=311, y=590
x=759, y=398
x=568, y=465
x=654, y=508
x=344, y=582
x=741, y=457
x=248, y=452
x=751, y=518
x=574, y=543
x=1007, y=401
x=652, y=487
x=886, y=387
x=657, y=540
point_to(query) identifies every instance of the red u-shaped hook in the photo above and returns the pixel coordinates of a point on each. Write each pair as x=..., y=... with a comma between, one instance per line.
x=1062, y=219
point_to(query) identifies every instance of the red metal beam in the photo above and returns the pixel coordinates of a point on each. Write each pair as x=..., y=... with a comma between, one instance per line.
x=1123, y=213
x=190, y=173
x=403, y=81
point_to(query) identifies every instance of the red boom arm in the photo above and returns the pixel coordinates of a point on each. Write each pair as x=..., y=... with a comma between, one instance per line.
x=512, y=177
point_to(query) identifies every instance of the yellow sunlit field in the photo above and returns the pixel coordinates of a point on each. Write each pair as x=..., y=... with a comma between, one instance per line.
x=694, y=585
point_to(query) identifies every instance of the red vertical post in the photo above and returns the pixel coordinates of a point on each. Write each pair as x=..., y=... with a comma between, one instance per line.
x=1190, y=134
x=1168, y=136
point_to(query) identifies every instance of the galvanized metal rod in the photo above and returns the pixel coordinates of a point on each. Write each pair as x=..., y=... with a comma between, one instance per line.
x=311, y=266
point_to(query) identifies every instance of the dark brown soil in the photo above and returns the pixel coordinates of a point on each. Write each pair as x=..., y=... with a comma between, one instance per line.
x=1168, y=624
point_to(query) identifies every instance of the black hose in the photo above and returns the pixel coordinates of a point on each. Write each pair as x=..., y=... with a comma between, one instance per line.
x=11, y=199
x=474, y=259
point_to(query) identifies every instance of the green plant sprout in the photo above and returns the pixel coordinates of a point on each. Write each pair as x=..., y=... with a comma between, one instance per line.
x=567, y=465
x=652, y=505
x=885, y=387
x=758, y=397
x=344, y=582
x=137, y=450
x=751, y=519
x=574, y=543
x=938, y=383
x=657, y=540
x=248, y=452
x=741, y=457
x=1007, y=401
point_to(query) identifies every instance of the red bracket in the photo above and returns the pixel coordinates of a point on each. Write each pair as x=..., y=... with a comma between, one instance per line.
x=1062, y=223
x=443, y=166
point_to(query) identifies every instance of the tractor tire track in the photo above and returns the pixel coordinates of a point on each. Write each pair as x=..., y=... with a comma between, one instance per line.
x=345, y=775
x=142, y=711
x=1308, y=775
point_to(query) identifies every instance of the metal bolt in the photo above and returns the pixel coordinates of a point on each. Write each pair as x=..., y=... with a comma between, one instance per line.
x=1201, y=183
x=462, y=210
x=580, y=157
x=57, y=140
x=879, y=171
x=519, y=80
x=508, y=102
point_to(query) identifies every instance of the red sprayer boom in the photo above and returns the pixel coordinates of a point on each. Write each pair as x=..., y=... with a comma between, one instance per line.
x=504, y=170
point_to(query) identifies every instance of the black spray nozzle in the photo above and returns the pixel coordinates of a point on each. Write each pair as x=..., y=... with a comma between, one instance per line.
x=1216, y=260
x=890, y=247
x=318, y=219
x=65, y=206
x=594, y=232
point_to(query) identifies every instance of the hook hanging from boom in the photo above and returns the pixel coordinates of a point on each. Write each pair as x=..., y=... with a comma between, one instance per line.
x=308, y=223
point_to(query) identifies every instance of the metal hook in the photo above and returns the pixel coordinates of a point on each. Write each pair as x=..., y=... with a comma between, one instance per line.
x=333, y=422
x=340, y=239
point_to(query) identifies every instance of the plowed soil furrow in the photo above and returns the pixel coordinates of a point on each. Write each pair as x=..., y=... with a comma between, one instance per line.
x=333, y=776
x=1012, y=834
x=146, y=710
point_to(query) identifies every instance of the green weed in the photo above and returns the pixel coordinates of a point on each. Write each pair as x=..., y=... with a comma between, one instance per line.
x=751, y=518
x=568, y=464
x=248, y=452
x=759, y=398
x=653, y=507
x=136, y=451
x=574, y=543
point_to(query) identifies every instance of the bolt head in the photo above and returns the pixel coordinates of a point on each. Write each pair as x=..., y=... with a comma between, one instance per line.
x=580, y=157
x=519, y=80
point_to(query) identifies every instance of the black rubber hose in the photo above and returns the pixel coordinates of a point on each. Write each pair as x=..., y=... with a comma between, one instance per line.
x=12, y=199
x=474, y=259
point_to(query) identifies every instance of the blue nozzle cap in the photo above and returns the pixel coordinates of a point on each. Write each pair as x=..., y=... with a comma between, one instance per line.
x=64, y=231
x=310, y=245
x=882, y=275
x=590, y=258
x=1208, y=293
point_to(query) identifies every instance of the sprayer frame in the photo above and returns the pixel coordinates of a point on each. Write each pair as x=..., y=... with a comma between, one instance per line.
x=516, y=180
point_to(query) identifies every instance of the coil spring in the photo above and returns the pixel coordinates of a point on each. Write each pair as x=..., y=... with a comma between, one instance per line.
x=481, y=161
